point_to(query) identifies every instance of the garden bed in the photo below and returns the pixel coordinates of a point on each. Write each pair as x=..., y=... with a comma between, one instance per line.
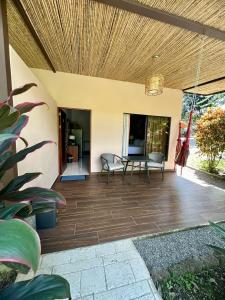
x=207, y=284
x=180, y=263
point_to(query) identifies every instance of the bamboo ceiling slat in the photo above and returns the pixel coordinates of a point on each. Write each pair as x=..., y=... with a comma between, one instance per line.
x=89, y=38
x=22, y=41
x=209, y=12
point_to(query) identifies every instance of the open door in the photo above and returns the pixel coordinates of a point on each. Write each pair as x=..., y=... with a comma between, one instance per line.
x=62, y=140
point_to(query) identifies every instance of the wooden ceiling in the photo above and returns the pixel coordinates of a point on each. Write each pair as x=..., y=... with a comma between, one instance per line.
x=90, y=38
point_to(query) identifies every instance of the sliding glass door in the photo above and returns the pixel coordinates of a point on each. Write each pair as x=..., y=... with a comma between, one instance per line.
x=145, y=134
x=157, y=134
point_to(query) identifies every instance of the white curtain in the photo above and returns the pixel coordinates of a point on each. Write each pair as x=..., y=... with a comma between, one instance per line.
x=126, y=130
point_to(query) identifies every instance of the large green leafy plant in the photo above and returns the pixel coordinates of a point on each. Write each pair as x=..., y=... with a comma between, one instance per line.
x=20, y=246
x=210, y=137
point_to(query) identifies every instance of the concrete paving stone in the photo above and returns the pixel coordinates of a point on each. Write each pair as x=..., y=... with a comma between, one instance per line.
x=139, y=269
x=153, y=289
x=77, y=266
x=90, y=297
x=74, y=281
x=126, y=292
x=93, y=281
x=146, y=297
x=82, y=253
x=118, y=275
x=120, y=257
x=54, y=259
x=124, y=245
x=105, y=249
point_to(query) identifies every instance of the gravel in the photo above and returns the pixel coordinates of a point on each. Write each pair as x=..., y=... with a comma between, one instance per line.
x=166, y=251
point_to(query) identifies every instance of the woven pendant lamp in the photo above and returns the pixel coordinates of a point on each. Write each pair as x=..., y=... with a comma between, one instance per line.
x=154, y=83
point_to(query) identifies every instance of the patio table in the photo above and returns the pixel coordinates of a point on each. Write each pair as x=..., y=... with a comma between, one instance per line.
x=136, y=159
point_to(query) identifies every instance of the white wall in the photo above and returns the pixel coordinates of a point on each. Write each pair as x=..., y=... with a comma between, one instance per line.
x=42, y=125
x=108, y=100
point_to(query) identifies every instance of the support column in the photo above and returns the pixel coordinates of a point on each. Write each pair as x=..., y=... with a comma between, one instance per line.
x=5, y=78
x=5, y=72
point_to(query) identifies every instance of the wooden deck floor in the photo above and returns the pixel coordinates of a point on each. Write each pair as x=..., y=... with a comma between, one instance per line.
x=97, y=212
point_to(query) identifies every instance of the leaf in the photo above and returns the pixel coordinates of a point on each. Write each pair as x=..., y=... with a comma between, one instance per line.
x=16, y=183
x=14, y=159
x=25, y=211
x=35, y=194
x=27, y=106
x=9, y=120
x=9, y=212
x=20, y=245
x=42, y=287
x=24, y=140
x=217, y=249
x=21, y=89
x=7, y=136
x=4, y=110
x=217, y=228
x=39, y=207
x=15, y=129
x=4, y=156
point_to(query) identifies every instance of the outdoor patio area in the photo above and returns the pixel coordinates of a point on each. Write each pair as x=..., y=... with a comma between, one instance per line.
x=98, y=213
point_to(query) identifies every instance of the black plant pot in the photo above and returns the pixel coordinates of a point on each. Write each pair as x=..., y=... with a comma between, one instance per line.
x=47, y=219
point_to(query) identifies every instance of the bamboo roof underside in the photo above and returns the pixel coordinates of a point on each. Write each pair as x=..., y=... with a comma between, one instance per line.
x=90, y=38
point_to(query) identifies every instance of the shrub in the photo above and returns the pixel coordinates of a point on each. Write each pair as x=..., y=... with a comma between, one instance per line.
x=210, y=137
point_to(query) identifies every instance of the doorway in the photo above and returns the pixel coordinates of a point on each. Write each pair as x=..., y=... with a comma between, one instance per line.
x=74, y=143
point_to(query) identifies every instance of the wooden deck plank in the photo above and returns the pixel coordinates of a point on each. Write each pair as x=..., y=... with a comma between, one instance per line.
x=97, y=212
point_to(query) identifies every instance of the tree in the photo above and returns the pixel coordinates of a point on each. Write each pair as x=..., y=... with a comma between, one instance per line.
x=201, y=104
x=210, y=136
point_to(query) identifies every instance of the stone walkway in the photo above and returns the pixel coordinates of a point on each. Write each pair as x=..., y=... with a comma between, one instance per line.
x=112, y=271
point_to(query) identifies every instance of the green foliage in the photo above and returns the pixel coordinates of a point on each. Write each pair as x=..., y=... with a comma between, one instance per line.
x=202, y=103
x=7, y=276
x=210, y=136
x=19, y=243
x=221, y=231
x=207, y=284
x=42, y=287
x=20, y=246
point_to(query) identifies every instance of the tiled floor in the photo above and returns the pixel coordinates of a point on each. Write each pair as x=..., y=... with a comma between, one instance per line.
x=77, y=168
x=97, y=212
x=112, y=271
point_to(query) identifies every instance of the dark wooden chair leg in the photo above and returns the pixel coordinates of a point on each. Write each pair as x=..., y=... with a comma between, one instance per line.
x=132, y=169
x=108, y=177
x=148, y=175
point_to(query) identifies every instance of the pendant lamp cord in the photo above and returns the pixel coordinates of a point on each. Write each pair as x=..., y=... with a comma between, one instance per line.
x=198, y=71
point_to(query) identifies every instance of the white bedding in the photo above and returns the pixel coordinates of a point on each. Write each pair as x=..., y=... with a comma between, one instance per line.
x=135, y=149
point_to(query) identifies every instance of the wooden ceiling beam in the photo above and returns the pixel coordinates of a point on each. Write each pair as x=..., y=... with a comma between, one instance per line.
x=135, y=7
x=29, y=25
x=204, y=83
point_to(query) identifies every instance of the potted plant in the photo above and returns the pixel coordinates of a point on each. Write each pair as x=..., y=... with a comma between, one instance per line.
x=20, y=247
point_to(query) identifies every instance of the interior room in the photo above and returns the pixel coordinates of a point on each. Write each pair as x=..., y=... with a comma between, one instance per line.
x=74, y=143
x=147, y=134
x=137, y=134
